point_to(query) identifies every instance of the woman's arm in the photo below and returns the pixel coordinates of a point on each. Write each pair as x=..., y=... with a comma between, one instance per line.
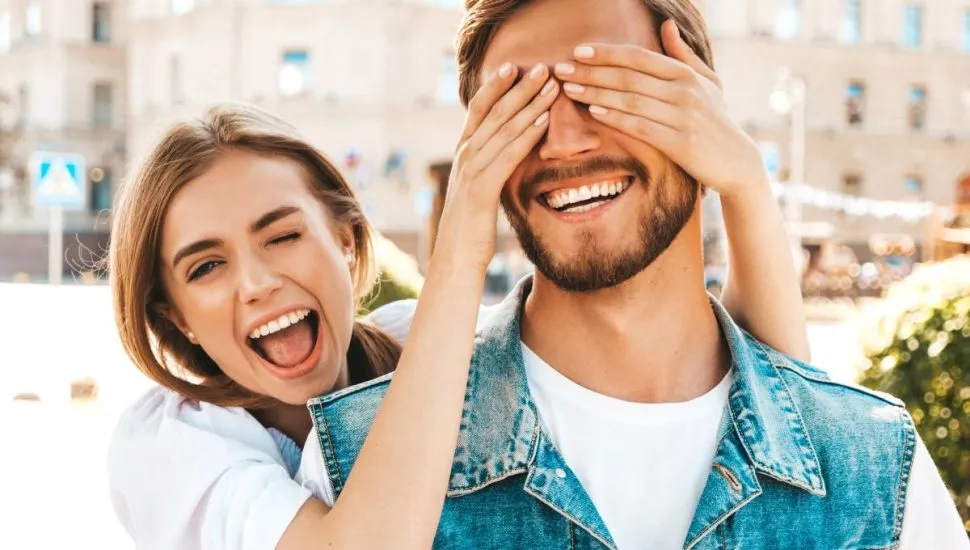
x=762, y=291
x=396, y=489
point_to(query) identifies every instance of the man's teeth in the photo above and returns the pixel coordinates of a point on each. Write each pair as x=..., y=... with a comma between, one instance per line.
x=564, y=197
x=280, y=323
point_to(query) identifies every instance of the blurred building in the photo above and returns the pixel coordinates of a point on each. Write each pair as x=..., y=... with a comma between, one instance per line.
x=887, y=97
x=374, y=83
x=62, y=88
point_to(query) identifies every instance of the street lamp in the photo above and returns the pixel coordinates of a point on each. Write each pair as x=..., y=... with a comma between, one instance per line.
x=788, y=98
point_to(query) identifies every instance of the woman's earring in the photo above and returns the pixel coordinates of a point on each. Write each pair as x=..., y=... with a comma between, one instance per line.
x=191, y=336
x=349, y=257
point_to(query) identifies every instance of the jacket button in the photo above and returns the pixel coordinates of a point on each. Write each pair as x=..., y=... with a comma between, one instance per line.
x=560, y=473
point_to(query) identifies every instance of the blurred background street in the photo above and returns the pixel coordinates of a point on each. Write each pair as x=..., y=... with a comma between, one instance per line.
x=861, y=109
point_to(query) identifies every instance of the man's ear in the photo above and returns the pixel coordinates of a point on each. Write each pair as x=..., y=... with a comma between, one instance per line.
x=173, y=316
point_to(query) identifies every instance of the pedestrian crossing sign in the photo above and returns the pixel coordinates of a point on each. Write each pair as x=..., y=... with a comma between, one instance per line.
x=59, y=179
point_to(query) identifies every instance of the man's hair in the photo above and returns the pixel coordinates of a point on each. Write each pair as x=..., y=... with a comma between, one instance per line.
x=483, y=18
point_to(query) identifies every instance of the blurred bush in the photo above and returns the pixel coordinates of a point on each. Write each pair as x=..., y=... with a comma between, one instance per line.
x=399, y=279
x=919, y=351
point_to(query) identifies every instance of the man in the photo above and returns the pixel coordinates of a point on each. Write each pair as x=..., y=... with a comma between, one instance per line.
x=610, y=402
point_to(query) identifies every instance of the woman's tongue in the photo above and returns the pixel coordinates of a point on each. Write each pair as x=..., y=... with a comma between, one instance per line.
x=288, y=347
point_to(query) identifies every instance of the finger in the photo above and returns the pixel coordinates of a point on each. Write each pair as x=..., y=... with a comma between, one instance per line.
x=521, y=123
x=617, y=78
x=494, y=88
x=626, y=102
x=677, y=48
x=632, y=57
x=663, y=137
x=509, y=158
x=509, y=106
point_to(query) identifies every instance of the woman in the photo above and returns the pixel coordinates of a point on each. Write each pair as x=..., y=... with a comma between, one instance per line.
x=242, y=313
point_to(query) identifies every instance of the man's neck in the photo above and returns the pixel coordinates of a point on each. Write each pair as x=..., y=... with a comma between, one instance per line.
x=652, y=339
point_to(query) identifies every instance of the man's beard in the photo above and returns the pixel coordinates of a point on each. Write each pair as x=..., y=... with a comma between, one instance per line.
x=595, y=267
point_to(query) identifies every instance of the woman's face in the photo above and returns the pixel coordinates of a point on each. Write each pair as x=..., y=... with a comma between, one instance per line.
x=256, y=271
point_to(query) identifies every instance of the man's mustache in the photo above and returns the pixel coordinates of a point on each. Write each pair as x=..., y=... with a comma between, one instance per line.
x=582, y=169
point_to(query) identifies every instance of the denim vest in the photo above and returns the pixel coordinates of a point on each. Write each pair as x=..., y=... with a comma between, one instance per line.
x=802, y=461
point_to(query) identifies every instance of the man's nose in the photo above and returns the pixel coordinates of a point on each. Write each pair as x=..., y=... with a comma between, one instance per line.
x=570, y=132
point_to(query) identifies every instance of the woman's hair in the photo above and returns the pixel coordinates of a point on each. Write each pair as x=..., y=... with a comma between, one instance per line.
x=184, y=152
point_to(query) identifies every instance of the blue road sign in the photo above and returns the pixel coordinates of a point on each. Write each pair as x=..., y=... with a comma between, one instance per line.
x=59, y=179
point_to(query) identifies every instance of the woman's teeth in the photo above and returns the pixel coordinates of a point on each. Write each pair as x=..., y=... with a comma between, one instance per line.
x=561, y=199
x=280, y=323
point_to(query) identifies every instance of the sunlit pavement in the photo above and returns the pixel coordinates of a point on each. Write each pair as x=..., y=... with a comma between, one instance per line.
x=52, y=471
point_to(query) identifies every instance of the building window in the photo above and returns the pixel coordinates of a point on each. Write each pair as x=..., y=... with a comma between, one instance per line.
x=175, y=79
x=294, y=73
x=855, y=104
x=101, y=192
x=103, y=105
x=101, y=23
x=179, y=7
x=913, y=26
x=852, y=21
x=914, y=186
x=447, y=92
x=916, y=104
x=32, y=21
x=789, y=21
x=852, y=185
x=966, y=31
x=4, y=31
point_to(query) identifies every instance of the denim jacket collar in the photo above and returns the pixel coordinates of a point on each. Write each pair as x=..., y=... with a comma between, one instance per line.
x=500, y=434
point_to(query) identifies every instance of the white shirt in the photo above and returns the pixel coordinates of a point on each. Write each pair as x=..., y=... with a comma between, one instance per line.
x=187, y=476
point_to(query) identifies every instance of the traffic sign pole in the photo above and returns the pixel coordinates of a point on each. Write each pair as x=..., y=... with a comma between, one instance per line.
x=55, y=246
x=59, y=184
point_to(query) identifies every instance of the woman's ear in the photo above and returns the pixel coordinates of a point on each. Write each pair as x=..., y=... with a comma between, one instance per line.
x=345, y=236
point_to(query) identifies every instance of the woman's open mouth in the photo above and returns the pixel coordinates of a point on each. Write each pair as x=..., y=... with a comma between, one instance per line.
x=577, y=200
x=290, y=344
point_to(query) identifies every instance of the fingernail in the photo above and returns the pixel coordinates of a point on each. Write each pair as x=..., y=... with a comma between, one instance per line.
x=565, y=68
x=537, y=71
x=542, y=119
x=548, y=87
x=573, y=88
x=583, y=52
x=597, y=110
x=505, y=71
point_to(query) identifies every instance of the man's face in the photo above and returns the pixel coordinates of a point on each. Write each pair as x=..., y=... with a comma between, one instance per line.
x=592, y=207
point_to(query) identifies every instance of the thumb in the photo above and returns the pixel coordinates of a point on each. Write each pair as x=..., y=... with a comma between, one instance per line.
x=678, y=49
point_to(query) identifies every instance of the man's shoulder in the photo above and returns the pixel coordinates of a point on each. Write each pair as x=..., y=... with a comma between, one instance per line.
x=395, y=318
x=840, y=412
x=818, y=381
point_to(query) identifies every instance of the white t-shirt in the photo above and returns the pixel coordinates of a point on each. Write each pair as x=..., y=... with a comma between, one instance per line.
x=186, y=476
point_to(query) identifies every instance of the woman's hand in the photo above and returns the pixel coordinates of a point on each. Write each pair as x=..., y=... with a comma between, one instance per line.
x=505, y=121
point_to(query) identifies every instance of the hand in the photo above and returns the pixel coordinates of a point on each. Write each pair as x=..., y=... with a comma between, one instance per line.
x=503, y=125
x=674, y=103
